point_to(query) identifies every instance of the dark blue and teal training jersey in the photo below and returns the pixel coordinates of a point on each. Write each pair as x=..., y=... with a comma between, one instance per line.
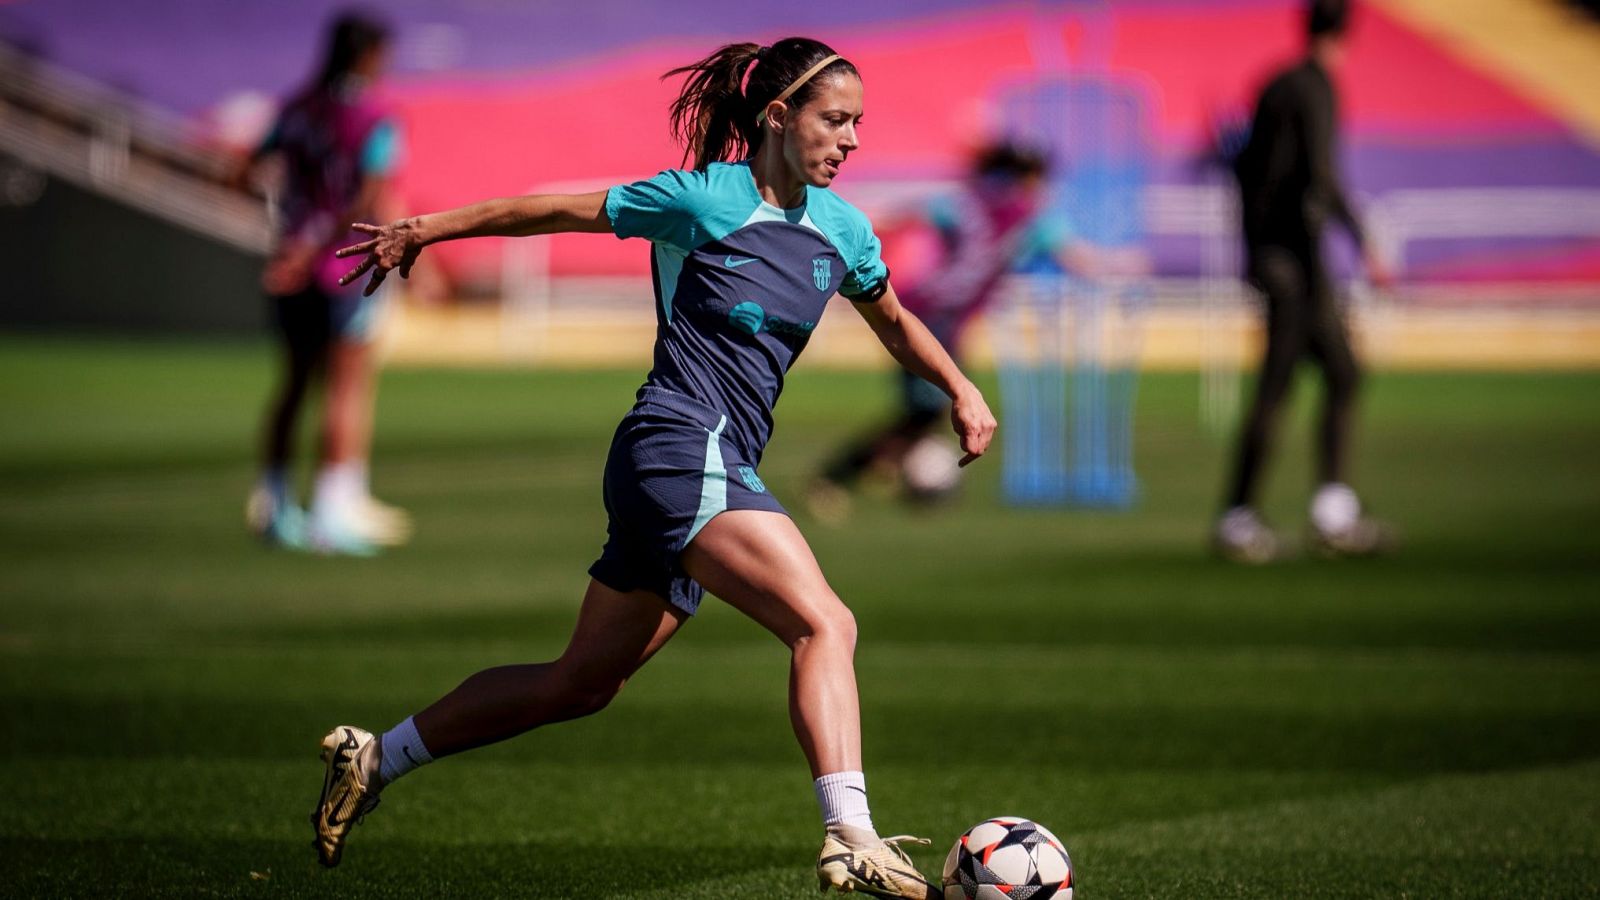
x=740, y=284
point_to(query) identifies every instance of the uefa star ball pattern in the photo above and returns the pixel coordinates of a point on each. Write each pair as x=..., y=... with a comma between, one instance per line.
x=1008, y=858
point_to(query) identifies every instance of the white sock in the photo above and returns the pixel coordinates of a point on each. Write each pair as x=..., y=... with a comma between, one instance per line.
x=402, y=751
x=843, y=798
x=339, y=488
x=1335, y=508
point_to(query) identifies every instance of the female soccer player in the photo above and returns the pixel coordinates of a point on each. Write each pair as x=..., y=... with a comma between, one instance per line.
x=745, y=257
x=339, y=150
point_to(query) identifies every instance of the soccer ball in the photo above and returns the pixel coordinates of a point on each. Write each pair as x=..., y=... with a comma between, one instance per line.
x=1008, y=858
x=931, y=469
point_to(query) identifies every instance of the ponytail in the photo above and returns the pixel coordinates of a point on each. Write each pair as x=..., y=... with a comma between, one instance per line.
x=353, y=34
x=709, y=117
x=715, y=116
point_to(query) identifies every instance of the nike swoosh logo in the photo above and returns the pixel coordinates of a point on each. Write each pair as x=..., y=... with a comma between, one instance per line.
x=407, y=751
x=341, y=761
x=733, y=263
x=333, y=819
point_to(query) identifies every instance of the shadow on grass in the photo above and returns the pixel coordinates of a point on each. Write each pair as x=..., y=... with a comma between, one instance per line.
x=260, y=868
x=1383, y=742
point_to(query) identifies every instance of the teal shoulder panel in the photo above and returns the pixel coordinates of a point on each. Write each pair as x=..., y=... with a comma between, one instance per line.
x=683, y=208
x=851, y=234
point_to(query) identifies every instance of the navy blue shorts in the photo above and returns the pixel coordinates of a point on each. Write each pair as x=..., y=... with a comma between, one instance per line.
x=670, y=470
x=313, y=318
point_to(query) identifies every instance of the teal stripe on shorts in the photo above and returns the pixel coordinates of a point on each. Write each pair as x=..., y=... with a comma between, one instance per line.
x=714, y=487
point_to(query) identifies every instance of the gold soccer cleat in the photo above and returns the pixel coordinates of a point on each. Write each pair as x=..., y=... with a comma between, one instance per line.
x=346, y=795
x=877, y=868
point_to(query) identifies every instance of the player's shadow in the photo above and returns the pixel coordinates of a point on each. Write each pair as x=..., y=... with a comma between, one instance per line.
x=160, y=866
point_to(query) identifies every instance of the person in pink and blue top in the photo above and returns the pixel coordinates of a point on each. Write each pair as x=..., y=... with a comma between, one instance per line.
x=337, y=148
x=995, y=219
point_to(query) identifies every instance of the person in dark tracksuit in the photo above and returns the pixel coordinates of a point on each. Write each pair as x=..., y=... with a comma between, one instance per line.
x=1289, y=189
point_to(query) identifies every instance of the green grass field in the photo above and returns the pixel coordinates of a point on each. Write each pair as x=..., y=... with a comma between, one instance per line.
x=1423, y=726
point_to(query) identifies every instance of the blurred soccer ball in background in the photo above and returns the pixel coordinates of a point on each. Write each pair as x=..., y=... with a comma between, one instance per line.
x=931, y=469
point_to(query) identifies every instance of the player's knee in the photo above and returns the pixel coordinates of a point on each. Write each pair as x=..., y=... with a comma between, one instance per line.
x=587, y=699
x=834, y=625
x=579, y=693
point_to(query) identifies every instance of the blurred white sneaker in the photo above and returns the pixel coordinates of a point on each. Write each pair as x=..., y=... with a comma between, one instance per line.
x=334, y=534
x=1363, y=537
x=827, y=501
x=380, y=523
x=1339, y=526
x=274, y=519
x=1334, y=508
x=1240, y=536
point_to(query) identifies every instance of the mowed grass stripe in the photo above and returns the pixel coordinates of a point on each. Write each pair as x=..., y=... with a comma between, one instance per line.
x=1422, y=726
x=1332, y=681
x=1245, y=835
x=1381, y=712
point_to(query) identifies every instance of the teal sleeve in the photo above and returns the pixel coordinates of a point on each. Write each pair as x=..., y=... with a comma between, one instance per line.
x=666, y=209
x=942, y=214
x=867, y=273
x=1046, y=234
x=381, y=154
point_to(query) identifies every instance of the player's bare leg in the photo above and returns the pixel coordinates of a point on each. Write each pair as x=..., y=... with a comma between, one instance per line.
x=271, y=510
x=616, y=633
x=345, y=517
x=758, y=562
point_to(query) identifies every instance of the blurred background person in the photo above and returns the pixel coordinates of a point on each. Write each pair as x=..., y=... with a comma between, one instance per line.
x=338, y=149
x=1288, y=190
x=979, y=232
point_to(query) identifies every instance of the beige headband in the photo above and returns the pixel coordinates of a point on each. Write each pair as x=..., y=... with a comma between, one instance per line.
x=805, y=77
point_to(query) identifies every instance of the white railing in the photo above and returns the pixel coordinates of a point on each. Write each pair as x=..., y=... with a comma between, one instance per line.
x=98, y=139
x=1397, y=222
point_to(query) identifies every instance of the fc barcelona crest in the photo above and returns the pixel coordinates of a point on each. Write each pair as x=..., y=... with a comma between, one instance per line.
x=822, y=273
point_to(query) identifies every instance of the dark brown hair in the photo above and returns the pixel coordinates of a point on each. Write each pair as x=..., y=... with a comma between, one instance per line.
x=715, y=114
x=1328, y=17
x=1011, y=160
x=351, y=36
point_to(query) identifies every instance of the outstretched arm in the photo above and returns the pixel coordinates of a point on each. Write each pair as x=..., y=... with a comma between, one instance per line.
x=397, y=245
x=914, y=346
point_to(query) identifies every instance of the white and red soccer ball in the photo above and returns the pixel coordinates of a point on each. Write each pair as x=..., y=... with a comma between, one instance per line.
x=1008, y=858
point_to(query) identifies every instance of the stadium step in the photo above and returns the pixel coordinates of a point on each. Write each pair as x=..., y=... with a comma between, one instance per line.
x=1549, y=50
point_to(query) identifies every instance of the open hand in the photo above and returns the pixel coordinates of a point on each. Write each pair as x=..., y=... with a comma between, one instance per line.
x=393, y=246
